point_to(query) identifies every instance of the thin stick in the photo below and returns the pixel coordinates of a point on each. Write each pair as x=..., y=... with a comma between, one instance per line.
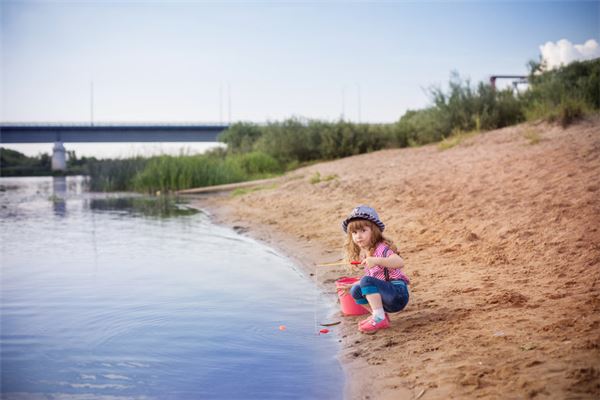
x=331, y=323
x=317, y=300
x=338, y=263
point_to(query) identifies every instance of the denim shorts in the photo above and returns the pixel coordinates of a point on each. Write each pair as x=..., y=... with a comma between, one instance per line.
x=394, y=294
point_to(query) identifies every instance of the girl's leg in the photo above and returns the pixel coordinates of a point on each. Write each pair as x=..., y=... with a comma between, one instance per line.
x=374, y=300
x=370, y=290
x=358, y=297
x=382, y=294
x=356, y=293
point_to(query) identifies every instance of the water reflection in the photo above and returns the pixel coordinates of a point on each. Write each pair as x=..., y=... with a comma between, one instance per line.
x=59, y=194
x=161, y=207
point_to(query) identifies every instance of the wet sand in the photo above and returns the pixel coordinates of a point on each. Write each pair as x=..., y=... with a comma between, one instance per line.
x=501, y=239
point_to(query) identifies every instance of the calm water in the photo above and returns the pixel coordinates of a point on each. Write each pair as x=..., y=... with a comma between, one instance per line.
x=119, y=297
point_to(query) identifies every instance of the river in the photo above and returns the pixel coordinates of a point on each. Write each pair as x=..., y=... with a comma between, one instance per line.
x=121, y=296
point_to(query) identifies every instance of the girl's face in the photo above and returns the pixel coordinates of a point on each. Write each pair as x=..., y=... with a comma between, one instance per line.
x=361, y=235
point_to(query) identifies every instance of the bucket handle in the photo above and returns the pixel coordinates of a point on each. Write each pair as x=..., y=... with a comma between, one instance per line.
x=345, y=291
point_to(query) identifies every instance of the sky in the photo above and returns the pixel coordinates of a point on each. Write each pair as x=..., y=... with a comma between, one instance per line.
x=258, y=61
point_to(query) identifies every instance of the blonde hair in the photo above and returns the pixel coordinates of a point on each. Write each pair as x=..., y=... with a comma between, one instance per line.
x=353, y=250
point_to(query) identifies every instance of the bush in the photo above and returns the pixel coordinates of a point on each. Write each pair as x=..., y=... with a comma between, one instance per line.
x=257, y=164
x=465, y=109
x=291, y=140
x=344, y=139
x=563, y=94
x=420, y=127
x=240, y=137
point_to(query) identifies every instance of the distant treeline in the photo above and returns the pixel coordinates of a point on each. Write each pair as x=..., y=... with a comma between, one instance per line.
x=257, y=151
x=14, y=163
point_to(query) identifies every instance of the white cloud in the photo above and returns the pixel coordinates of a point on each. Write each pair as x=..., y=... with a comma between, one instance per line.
x=564, y=52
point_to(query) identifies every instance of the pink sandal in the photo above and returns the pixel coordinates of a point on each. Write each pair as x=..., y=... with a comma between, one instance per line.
x=370, y=326
x=366, y=320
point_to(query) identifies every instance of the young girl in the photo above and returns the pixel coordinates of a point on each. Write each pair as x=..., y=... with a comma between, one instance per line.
x=383, y=286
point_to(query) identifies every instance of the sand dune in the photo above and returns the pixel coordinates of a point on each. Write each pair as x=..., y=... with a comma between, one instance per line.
x=501, y=239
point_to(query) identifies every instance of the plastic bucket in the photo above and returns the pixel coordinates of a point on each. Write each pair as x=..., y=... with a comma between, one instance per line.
x=349, y=306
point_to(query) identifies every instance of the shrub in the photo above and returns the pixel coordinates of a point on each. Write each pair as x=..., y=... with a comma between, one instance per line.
x=563, y=94
x=257, y=164
x=240, y=137
x=291, y=140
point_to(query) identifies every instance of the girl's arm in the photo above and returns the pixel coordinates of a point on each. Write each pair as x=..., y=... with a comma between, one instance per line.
x=393, y=261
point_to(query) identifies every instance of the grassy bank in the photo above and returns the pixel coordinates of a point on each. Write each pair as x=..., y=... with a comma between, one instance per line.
x=167, y=173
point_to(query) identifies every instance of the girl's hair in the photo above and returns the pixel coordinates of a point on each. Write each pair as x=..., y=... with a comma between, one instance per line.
x=352, y=249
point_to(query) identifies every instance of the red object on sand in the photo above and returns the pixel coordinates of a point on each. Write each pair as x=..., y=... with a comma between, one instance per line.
x=347, y=303
x=355, y=262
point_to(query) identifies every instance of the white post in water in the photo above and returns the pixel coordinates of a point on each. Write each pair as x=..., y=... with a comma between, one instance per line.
x=59, y=162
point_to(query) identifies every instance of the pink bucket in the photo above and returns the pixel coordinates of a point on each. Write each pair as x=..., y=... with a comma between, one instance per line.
x=349, y=306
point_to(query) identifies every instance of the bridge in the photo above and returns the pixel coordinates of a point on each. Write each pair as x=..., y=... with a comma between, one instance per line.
x=73, y=133
x=58, y=134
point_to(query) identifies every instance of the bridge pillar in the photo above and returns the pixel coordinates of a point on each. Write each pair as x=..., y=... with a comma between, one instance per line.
x=59, y=162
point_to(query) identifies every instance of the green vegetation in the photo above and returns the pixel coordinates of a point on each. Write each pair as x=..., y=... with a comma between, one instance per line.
x=456, y=139
x=256, y=151
x=316, y=178
x=565, y=94
x=167, y=173
x=243, y=191
x=296, y=142
x=532, y=136
x=13, y=163
x=114, y=175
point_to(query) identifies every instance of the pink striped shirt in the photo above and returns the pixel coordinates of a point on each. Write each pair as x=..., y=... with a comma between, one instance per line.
x=395, y=274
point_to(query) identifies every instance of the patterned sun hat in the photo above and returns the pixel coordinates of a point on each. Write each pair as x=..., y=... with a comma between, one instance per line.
x=363, y=212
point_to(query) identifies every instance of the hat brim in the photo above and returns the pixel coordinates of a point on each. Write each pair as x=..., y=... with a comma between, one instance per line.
x=366, y=217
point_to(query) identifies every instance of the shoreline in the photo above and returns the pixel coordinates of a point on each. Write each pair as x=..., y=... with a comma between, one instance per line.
x=306, y=255
x=500, y=240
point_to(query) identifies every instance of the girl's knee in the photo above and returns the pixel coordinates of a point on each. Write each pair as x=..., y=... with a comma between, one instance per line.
x=367, y=281
x=369, y=285
x=355, y=292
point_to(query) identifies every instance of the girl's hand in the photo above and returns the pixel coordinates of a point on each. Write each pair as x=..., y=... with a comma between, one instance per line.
x=370, y=262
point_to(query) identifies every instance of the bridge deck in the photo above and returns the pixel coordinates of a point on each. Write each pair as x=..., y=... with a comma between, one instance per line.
x=109, y=133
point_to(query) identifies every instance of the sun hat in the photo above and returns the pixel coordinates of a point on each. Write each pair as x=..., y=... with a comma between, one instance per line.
x=363, y=212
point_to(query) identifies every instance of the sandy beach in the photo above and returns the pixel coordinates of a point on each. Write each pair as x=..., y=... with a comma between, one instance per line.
x=501, y=239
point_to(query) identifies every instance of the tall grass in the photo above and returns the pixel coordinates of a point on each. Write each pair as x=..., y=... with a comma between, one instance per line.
x=168, y=173
x=114, y=174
